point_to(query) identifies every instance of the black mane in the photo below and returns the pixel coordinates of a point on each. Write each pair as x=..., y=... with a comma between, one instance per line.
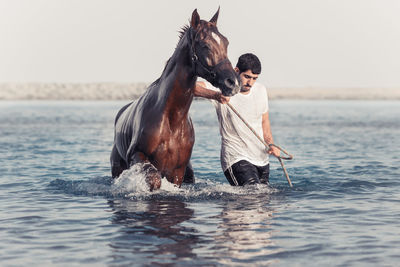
x=182, y=33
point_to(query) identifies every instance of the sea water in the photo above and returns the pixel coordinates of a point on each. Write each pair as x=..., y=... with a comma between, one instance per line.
x=60, y=207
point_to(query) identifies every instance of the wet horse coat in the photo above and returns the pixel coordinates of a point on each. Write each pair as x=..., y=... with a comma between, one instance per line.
x=156, y=129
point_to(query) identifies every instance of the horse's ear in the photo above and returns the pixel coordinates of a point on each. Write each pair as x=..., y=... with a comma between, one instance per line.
x=195, y=19
x=215, y=17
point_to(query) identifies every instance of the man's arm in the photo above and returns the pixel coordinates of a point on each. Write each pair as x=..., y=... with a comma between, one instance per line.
x=267, y=134
x=201, y=91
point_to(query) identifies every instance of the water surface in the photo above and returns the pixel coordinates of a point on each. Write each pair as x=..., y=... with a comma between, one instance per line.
x=59, y=205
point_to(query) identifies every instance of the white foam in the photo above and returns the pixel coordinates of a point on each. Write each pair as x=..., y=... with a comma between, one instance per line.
x=132, y=184
x=208, y=188
x=130, y=180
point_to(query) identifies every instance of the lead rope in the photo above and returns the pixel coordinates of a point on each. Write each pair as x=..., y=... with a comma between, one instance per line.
x=289, y=156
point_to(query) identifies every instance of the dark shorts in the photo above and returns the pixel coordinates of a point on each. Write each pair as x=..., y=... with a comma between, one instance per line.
x=244, y=173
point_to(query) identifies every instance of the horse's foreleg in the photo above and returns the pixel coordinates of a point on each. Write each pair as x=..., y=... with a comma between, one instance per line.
x=188, y=178
x=153, y=176
x=118, y=164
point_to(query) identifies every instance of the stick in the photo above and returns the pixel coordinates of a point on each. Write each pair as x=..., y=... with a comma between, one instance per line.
x=289, y=156
x=286, y=173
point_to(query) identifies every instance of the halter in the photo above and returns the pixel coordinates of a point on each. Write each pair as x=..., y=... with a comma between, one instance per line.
x=210, y=70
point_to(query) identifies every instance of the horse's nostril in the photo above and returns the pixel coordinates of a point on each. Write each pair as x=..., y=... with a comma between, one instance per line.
x=230, y=83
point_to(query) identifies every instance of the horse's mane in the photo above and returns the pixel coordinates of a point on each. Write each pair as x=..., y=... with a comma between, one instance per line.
x=182, y=33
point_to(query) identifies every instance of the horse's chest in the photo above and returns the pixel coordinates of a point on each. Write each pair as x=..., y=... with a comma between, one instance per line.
x=173, y=147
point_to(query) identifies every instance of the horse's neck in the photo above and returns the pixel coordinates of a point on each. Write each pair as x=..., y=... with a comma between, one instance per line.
x=177, y=83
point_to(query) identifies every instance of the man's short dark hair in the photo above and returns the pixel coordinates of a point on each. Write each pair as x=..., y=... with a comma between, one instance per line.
x=249, y=61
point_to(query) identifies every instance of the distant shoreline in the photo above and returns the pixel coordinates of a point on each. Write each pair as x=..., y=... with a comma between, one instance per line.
x=124, y=91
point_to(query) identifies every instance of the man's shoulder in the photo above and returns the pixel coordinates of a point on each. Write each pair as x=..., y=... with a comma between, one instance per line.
x=259, y=86
x=260, y=89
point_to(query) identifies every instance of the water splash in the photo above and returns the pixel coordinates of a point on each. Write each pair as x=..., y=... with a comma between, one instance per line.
x=131, y=184
x=130, y=180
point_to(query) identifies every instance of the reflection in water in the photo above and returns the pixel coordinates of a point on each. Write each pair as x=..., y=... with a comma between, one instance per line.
x=232, y=231
x=152, y=231
x=245, y=232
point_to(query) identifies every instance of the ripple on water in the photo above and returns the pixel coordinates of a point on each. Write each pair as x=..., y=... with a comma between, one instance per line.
x=61, y=207
x=132, y=185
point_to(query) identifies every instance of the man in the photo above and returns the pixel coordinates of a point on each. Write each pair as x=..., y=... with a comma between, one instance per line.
x=244, y=159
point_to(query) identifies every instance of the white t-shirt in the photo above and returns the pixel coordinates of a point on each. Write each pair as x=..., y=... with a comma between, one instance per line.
x=237, y=141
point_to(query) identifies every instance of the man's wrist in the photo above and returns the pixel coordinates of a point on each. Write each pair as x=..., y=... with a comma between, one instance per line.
x=217, y=96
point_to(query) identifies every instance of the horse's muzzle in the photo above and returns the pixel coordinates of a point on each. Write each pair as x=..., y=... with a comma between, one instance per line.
x=230, y=85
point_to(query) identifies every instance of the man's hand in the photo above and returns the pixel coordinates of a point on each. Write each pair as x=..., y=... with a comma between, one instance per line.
x=221, y=98
x=274, y=151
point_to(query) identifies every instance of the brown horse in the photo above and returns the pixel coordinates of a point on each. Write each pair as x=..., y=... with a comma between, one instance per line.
x=156, y=129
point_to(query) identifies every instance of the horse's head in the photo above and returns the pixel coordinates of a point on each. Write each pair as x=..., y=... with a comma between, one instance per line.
x=209, y=55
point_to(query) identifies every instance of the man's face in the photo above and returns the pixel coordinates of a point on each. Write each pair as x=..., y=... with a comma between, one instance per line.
x=248, y=78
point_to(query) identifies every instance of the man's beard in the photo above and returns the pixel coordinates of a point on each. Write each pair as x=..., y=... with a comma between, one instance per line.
x=245, y=88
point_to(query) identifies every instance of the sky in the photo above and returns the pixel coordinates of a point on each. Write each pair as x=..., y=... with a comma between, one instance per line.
x=301, y=43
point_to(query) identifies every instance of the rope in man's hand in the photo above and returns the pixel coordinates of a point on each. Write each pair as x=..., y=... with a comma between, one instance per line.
x=287, y=157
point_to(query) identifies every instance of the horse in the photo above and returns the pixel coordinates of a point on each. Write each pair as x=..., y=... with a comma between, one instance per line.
x=156, y=129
